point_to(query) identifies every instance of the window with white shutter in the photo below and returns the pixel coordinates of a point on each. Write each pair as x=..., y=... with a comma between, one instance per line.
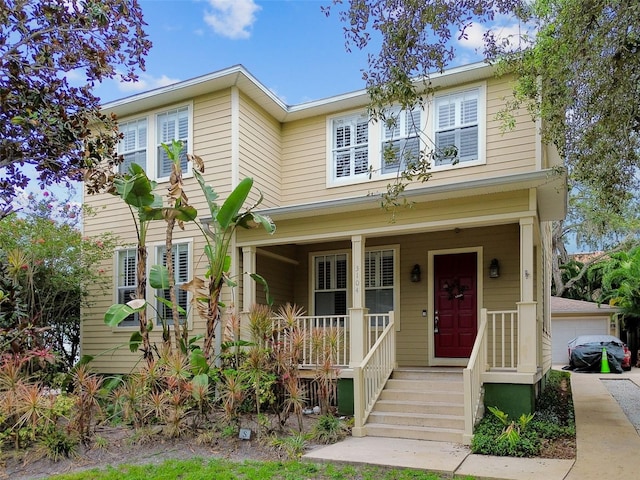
x=181, y=261
x=126, y=282
x=350, y=148
x=133, y=145
x=171, y=125
x=330, y=284
x=400, y=139
x=379, y=281
x=141, y=141
x=457, y=127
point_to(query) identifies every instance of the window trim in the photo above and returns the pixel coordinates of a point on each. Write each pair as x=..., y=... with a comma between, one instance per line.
x=312, y=276
x=136, y=150
x=481, y=89
x=153, y=144
x=331, y=179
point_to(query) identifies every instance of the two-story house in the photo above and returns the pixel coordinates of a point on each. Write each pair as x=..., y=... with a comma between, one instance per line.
x=456, y=287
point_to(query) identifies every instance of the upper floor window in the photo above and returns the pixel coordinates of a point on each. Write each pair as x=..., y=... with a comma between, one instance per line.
x=139, y=134
x=350, y=146
x=400, y=138
x=126, y=282
x=172, y=125
x=133, y=146
x=457, y=127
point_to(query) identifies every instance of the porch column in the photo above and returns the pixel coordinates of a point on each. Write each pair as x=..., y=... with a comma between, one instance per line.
x=527, y=318
x=248, y=285
x=357, y=314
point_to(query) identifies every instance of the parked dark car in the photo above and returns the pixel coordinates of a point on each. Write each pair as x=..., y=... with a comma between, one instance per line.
x=585, y=353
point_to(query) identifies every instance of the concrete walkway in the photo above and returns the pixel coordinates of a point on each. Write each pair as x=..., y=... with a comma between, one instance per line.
x=607, y=445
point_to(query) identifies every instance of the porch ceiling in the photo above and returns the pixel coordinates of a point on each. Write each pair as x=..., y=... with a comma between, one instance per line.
x=551, y=186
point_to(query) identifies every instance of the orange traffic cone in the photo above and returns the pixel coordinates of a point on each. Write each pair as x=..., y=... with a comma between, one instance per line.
x=604, y=363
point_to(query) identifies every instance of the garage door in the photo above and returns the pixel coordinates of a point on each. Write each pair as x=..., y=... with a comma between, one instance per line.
x=563, y=330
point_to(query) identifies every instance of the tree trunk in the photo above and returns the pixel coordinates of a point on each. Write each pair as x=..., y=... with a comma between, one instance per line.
x=141, y=293
x=213, y=316
x=166, y=336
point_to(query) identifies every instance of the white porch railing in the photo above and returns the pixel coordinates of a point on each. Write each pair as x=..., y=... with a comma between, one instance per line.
x=373, y=372
x=319, y=334
x=472, y=378
x=503, y=339
x=319, y=331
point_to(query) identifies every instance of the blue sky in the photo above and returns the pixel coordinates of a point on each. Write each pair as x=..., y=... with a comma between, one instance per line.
x=288, y=45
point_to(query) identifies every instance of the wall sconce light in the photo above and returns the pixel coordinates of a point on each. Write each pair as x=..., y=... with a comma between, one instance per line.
x=494, y=268
x=415, y=273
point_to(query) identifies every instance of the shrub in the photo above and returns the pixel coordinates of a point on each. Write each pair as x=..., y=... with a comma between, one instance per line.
x=329, y=429
x=554, y=418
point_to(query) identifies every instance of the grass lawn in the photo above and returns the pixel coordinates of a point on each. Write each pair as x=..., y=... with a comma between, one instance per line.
x=201, y=469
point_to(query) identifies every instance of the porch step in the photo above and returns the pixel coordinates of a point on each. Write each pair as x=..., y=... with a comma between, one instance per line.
x=422, y=404
x=415, y=433
x=437, y=408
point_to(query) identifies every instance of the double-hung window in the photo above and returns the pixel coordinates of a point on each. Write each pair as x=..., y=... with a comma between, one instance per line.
x=133, y=145
x=181, y=275
x=330, y=284
x=350, y=147
x=379, y=279
x=456, y=127
x=142, y=141
x=171, y=125
x=400, y=139
x=126, y=282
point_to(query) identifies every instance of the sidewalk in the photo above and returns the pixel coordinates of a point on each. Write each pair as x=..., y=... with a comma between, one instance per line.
x=607, y=445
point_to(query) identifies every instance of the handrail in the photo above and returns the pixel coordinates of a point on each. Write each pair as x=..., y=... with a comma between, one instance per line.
x=370, y=377
x=472, y=378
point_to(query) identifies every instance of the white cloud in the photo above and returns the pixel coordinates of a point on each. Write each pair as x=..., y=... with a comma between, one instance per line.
x=232, y=18
x=146, y=82
x=508, y=30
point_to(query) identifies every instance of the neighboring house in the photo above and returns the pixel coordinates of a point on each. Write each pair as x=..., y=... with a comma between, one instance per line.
x=571, y=318
x=465, y=272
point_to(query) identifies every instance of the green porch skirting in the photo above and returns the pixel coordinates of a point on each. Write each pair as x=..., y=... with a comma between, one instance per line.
x=345, y=396
x=512, y=399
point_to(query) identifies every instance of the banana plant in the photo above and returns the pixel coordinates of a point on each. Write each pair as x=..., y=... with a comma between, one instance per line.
x=137, y=191
x=224, y=221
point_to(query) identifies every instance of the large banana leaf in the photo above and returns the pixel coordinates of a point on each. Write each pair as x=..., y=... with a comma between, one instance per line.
x=233, y=203
x=137, y=190
x=119, y=311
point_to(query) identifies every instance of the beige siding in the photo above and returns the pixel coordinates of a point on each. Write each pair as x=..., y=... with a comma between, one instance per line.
x=304, y=161
x=455, y=212
x=212, y=142
x=260, y=150
x=304, y=154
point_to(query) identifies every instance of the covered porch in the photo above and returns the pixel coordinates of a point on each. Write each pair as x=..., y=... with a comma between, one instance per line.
x=509, y=340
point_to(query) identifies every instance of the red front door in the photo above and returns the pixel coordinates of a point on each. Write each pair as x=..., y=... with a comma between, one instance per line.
x=455, y=296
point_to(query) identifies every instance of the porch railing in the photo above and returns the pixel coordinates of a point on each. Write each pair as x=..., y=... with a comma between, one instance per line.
x=503, y=339
x=320, y=334
x=472, y=378
x=330, y=331
x=373, y=372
